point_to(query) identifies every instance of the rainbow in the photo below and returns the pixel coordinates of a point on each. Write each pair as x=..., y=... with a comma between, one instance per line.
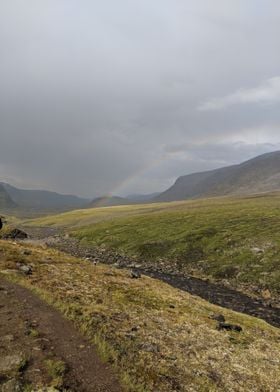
x=117, y=189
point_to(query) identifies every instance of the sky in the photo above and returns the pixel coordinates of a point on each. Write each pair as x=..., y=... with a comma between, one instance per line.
x=122, y=97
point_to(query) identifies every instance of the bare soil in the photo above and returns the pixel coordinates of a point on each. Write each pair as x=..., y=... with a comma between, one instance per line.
x=38, y=332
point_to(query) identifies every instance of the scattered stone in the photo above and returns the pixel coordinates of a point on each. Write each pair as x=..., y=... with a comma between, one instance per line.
x=26, y=269
x=135, y=274
x=11, y=363
x=266, y=294
x=15, y=234
x=257, y=251
x=26, y=252
x=150, y=347
x=218, y=317
x=11, y=386
x=229, y=327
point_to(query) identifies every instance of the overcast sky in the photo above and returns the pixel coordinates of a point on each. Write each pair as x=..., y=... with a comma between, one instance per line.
x=124, y=96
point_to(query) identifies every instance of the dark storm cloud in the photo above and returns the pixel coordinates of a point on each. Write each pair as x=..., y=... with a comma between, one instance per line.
x=125, y=96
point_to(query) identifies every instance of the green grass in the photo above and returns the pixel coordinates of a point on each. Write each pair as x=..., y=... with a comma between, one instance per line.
x=212, y=238
x=56, y=370
x=152, y=345
x=215, y=238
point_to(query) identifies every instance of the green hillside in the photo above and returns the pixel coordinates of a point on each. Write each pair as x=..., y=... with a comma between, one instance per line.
x=232, y=239
x=158, y=338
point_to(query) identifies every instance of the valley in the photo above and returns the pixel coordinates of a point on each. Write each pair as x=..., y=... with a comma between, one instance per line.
x=139, y=196
x=155, y=337
x=233, y=241
x=171, y=296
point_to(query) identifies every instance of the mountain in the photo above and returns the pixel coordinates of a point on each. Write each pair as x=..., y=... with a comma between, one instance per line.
x=135, y=198
x=260, y=174
x=40, y=200
x=6, y=201
x=108, y=201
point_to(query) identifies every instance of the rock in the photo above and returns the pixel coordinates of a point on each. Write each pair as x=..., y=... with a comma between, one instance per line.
x=26, y=269
x=26, y=252
x=257, y=250
x=11, y=363
x=150, y=347
x=266, y=294
x=135, y=274
x=11, y=386
x=15, y=234
x=218, y=317
x=229, y=327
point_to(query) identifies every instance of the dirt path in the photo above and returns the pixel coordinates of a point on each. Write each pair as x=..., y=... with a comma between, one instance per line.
x=36, y=332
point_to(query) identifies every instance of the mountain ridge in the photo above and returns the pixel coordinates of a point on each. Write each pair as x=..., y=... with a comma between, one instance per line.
x=256, y=175
x=6, y=202
x=42, y=199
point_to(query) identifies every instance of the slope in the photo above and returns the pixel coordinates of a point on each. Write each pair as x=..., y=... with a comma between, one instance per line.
x=43, y=200
x=108, y=201
x=158, y=338
x=261, y=174
x=6, y=202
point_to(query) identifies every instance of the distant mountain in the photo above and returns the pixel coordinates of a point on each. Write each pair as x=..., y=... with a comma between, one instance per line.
x=142, y=198
x=6, y=202
x=108, y=201
x=40, y=200
x=261, y=174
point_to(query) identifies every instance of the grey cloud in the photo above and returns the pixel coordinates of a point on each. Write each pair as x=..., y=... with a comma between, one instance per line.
x=95, y=95
x=267, y=92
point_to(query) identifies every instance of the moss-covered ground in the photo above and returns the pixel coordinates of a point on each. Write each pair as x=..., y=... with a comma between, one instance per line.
x=158, y=338
x=233, y=239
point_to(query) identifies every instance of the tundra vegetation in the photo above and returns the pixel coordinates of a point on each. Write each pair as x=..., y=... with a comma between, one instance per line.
x=157, y=337
x=223, y=239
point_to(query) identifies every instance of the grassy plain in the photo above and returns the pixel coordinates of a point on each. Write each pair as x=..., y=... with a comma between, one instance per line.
x=233, y=239
x=157, y=337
